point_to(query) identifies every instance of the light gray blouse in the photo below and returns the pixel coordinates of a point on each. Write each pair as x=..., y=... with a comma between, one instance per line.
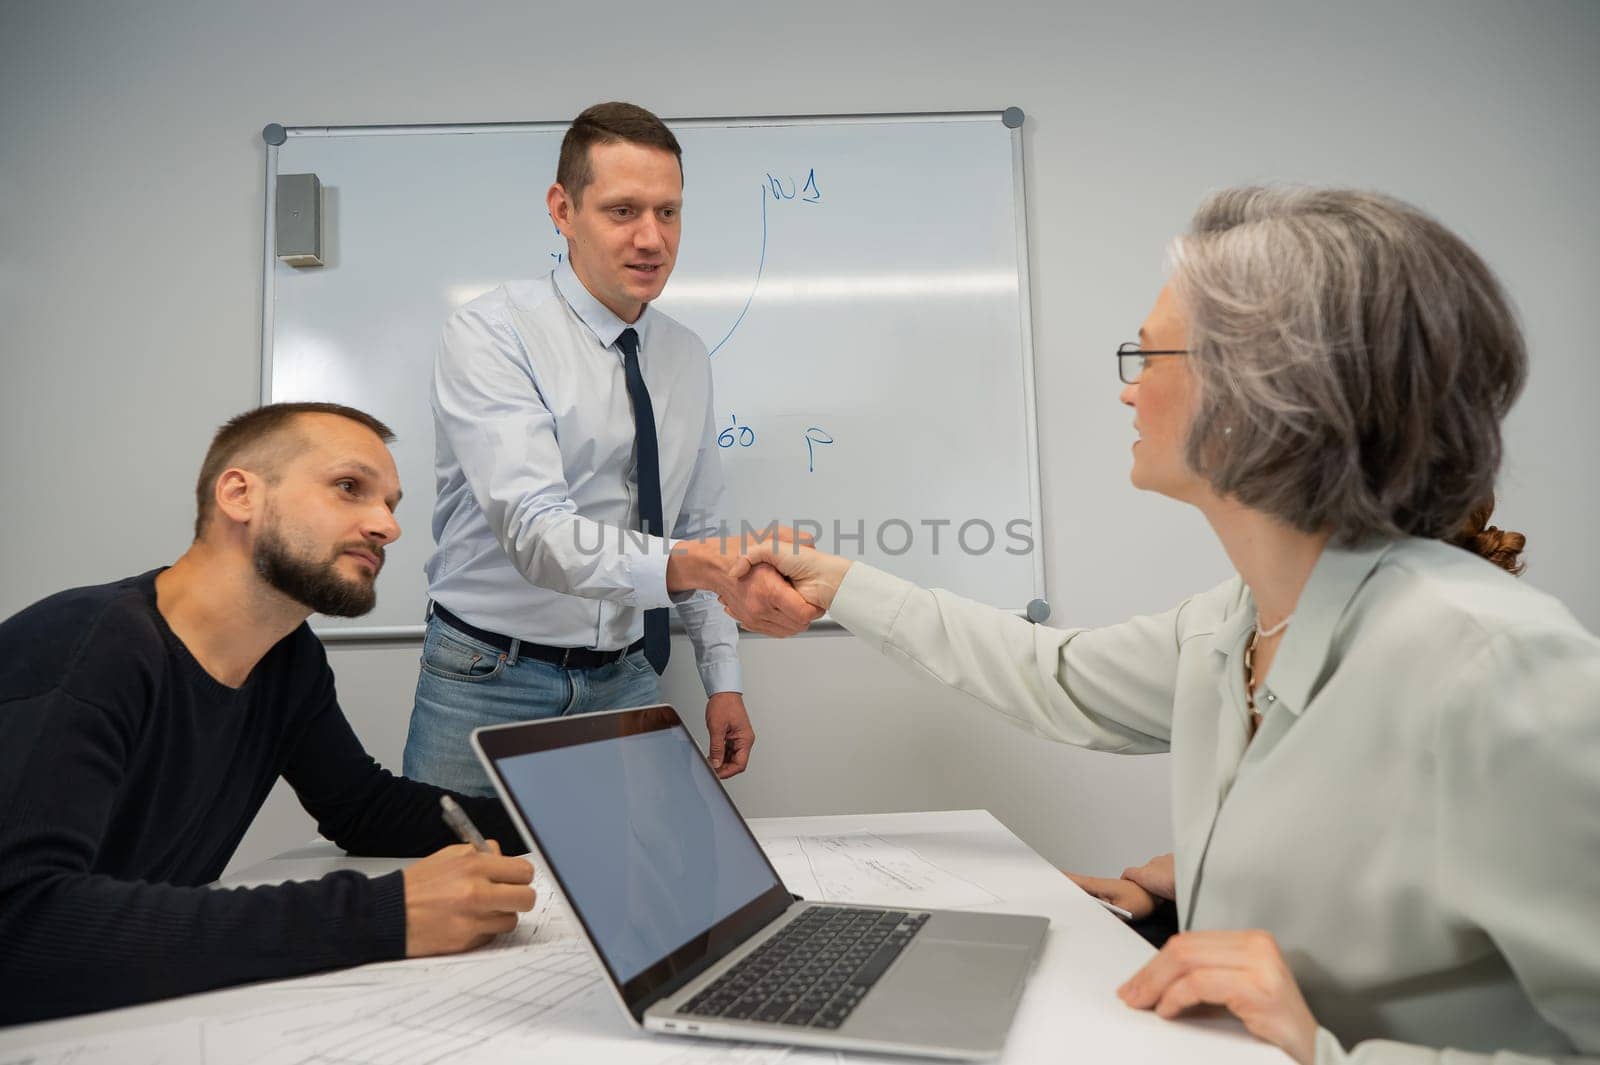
x=1417, y=821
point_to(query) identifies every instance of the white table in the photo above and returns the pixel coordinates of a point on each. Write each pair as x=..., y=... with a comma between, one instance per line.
x=1069, y=1012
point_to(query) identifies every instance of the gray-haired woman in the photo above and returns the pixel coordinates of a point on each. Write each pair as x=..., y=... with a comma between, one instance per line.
x=1384, y=746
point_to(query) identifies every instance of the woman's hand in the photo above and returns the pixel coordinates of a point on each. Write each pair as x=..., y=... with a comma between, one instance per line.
x=814, y=574
x=1241, y=971
x=1155, y=876
x=1124, y=893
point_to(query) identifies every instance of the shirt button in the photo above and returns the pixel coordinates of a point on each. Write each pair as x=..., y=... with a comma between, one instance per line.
x=1271, y=698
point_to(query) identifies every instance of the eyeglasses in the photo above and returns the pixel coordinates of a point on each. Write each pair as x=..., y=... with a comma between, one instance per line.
x=1131, y=358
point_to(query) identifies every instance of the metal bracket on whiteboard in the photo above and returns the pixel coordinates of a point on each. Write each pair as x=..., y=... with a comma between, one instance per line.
x=1038, y=610
x=1012, y=117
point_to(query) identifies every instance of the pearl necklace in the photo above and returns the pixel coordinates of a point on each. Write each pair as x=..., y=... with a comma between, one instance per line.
x=1267, y=634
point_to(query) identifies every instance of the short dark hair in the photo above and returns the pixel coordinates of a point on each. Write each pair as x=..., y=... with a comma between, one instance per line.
x=608, y=123
x=1355, y=359
x=256, y=431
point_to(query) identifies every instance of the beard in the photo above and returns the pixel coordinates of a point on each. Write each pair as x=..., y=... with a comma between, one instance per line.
x=315, y=583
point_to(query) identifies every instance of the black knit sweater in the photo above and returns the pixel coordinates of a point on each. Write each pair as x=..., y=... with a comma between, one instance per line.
x=128, y=776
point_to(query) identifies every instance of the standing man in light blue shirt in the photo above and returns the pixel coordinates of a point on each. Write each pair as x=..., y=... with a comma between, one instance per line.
x=579, y=485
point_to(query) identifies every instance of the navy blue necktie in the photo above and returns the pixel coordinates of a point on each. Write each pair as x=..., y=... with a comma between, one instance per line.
x=657, y=645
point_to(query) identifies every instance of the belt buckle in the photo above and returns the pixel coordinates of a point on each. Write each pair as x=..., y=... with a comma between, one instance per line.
x=566, y=654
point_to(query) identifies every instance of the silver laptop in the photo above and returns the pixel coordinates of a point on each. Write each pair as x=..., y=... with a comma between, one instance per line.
x=696, y=932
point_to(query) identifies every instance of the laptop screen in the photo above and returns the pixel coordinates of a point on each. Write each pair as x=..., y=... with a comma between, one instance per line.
x=647, y=847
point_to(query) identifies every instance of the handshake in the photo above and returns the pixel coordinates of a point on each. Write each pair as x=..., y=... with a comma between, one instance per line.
x=773, y=583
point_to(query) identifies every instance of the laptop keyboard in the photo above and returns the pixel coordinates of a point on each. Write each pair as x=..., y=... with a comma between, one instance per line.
x=814, y=972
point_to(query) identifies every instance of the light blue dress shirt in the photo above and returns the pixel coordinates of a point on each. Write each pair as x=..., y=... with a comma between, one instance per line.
x=536, y=520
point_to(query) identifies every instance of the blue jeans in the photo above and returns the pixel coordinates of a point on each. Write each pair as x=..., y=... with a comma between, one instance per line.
x=465, y=683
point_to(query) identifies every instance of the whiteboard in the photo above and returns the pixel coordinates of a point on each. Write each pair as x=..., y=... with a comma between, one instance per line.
x=860, y=283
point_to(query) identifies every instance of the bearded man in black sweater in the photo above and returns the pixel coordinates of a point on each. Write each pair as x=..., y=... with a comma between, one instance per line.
x=143, y=722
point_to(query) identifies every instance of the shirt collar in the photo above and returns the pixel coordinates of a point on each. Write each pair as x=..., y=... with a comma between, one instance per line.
x=605, y=325
x=1298, y=666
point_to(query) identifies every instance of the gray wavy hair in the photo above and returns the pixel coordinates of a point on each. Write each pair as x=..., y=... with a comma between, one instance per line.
x=1354, y=360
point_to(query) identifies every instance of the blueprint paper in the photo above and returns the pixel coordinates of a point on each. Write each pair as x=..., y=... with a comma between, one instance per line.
x=861, y=867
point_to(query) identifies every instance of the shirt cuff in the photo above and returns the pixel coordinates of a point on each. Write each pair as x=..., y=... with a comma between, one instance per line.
x=649, y=571
x=868, y=602
x=722, y=676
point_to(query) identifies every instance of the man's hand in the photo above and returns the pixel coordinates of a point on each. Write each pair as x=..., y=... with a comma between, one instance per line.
x=815, y=575
x=730, y=733
x=1155, y=876
x=1242, y=971
x=762, y=601
x=1125, y=893
x=769, y=606
x=458, y=898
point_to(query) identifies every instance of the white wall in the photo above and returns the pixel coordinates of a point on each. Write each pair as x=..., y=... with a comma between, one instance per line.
x=130, y=257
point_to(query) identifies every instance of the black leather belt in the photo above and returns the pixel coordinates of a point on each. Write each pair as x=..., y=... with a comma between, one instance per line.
x=565, y=657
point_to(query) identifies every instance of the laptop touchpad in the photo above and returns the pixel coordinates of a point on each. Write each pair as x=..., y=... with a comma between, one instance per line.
x=928, y=995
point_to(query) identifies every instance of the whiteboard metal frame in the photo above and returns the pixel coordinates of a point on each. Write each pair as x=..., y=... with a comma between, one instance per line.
x=1039, y=608
x=275, y=135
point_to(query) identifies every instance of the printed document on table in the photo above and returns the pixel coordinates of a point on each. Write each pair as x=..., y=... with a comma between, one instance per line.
x=535, y=994
x=158, y=1044
x=866, y=868
x=547, y=1004
x=423, y=1012
x=551, y=921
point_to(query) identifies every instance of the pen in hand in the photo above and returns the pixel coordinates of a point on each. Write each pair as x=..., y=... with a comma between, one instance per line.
x=462, y=825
